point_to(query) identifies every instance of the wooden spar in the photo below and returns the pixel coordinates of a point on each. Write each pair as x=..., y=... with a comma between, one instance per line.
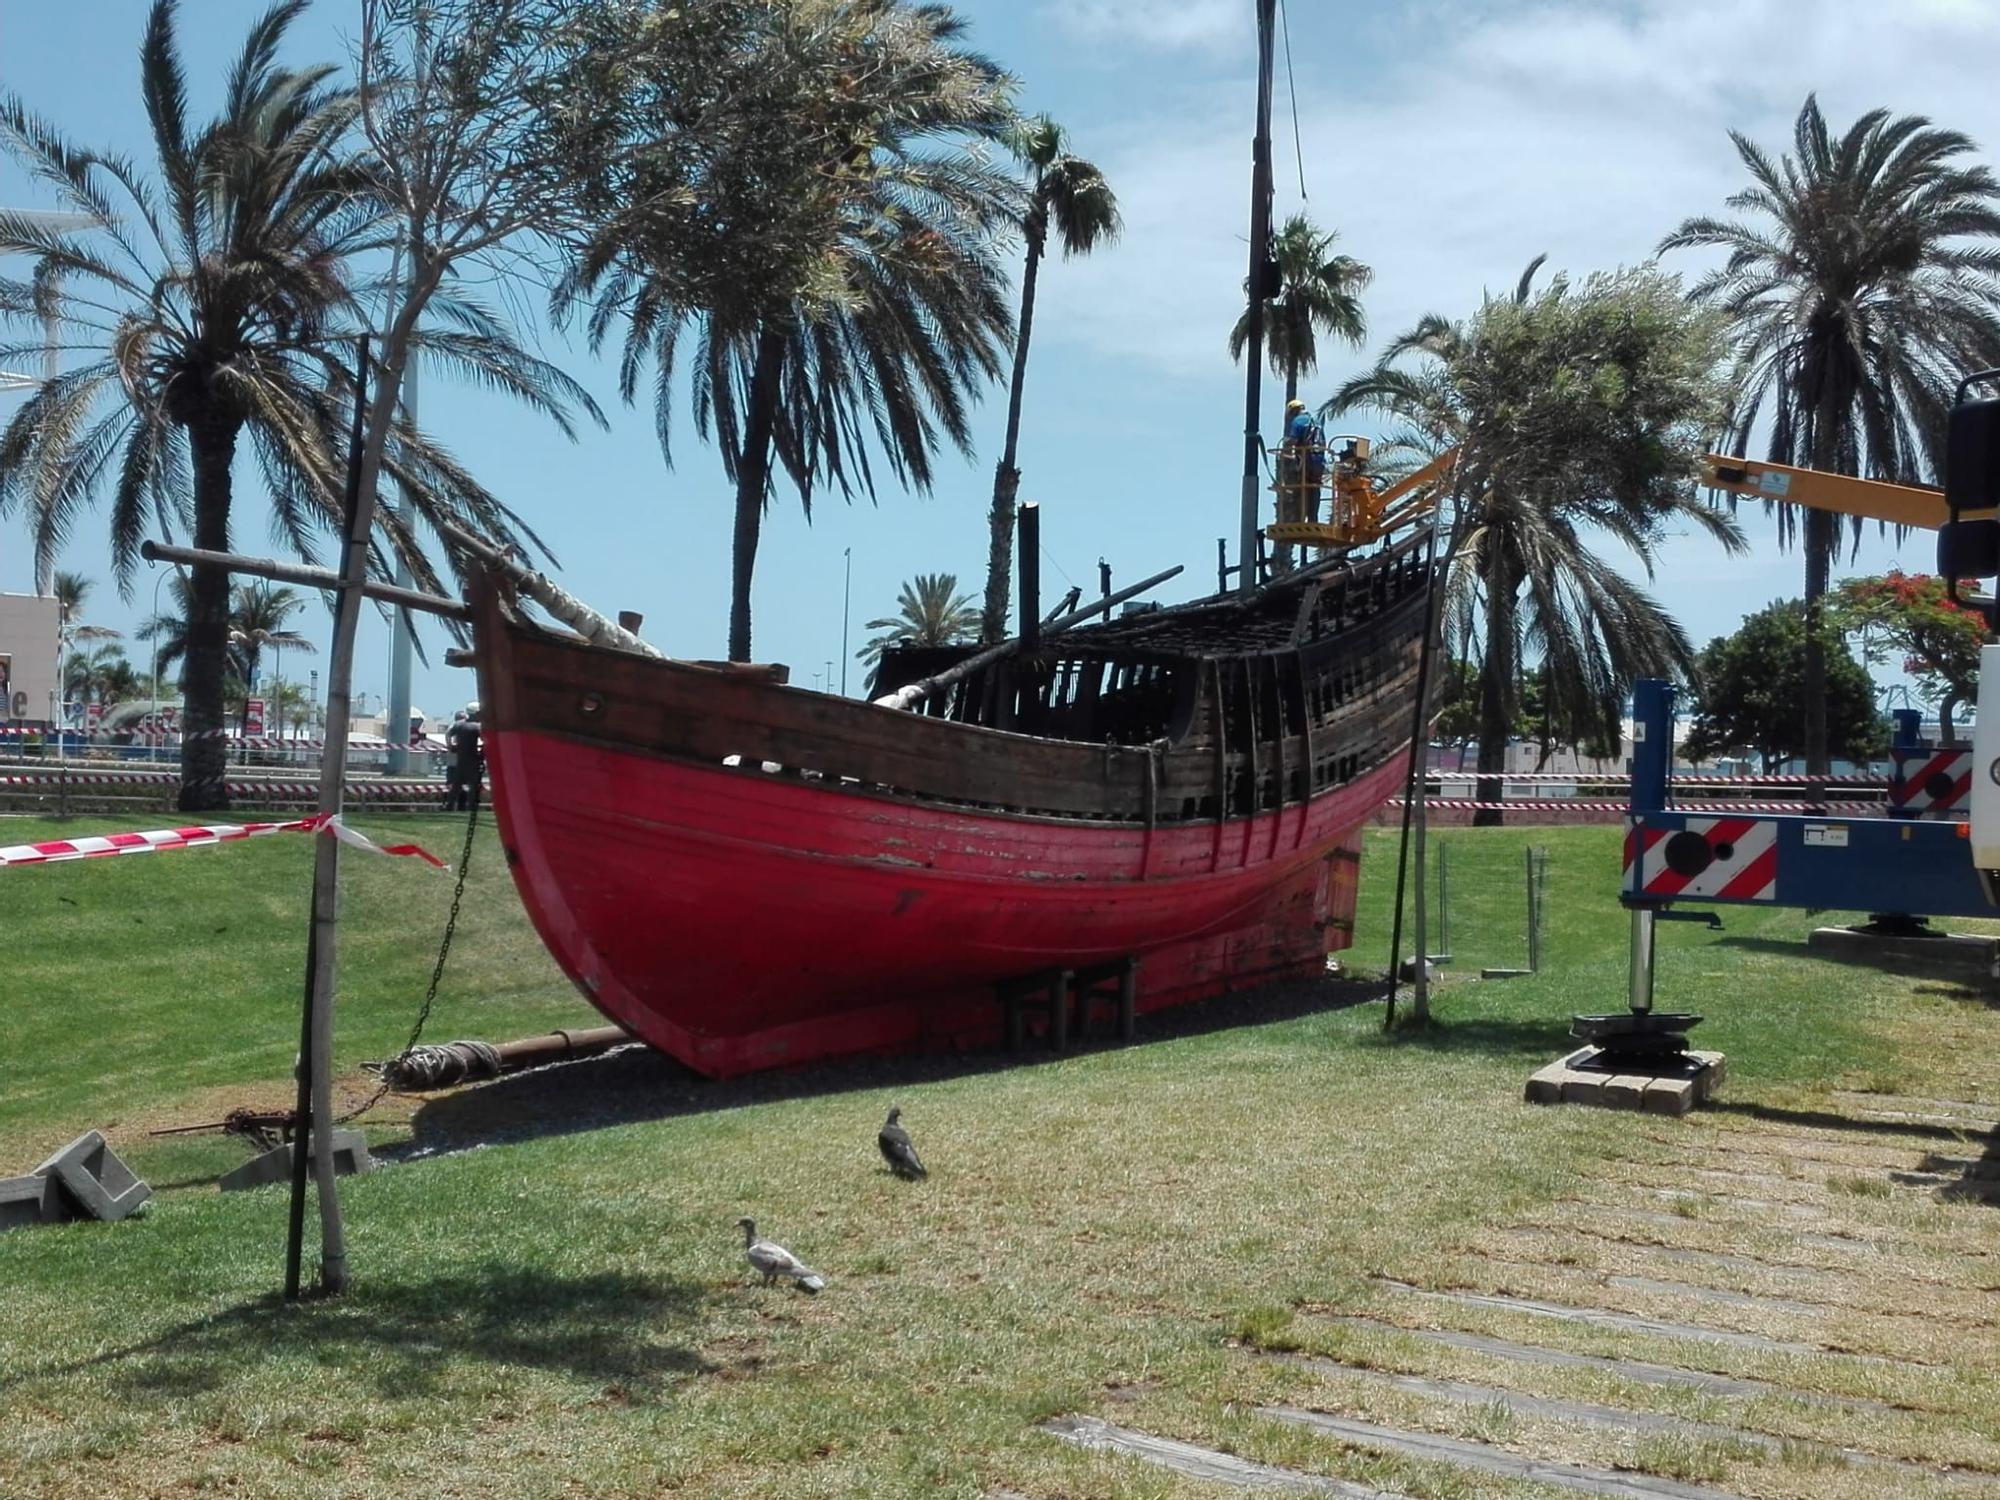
x=916, y=692
x=317, y=578
x=1030, y=570
x=559, y=602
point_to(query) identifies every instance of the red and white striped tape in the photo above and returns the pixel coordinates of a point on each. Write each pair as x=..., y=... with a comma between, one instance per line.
x=1608, y=805
x=107, y=845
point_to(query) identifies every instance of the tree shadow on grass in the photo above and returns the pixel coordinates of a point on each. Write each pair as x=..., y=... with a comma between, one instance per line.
x=635, y=1084
x=404, y=1338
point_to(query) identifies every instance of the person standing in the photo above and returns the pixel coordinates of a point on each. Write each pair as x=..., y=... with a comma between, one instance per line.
x=1301, y=465
x=468, y=765
x=451, y=762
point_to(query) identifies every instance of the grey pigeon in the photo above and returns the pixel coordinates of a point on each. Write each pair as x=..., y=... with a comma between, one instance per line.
x=898, y=1151
x=772, y=1261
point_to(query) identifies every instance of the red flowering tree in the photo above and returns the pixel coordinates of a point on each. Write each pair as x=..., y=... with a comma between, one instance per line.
x=1911, y=616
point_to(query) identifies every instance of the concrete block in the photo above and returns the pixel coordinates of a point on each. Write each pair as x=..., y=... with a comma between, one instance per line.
x=32, y=1200
x=91, y=1172
x=350, y=1156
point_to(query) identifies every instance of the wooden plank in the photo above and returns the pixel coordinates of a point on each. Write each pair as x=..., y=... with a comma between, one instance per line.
x=1596, y=1414
x=1639, y=1371
x=1433, y=1447
x=1601, y=1317
x=1203, y=1463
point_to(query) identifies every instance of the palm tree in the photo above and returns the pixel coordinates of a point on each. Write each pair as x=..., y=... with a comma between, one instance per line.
x=930, y=611
x=213, y=309
x=844, y=282
x=1860, y=291
x=258, y=615
x=257, y=619
x=99, y=674
x=1524, y=576
x=1318, y=292
x=167, y=633
x=71, y=590
x=1071, y=195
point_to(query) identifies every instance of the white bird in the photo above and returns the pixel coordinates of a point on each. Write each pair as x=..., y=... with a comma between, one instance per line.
x=772, y=1261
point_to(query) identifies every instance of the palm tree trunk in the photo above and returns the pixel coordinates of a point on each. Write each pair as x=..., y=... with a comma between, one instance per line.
x=1007, y=478
x=753, y=473
x=1496, y=706
x=204, y=744
x=1821, y=539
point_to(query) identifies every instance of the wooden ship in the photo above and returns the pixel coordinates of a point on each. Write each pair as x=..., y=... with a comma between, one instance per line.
x=747, y=874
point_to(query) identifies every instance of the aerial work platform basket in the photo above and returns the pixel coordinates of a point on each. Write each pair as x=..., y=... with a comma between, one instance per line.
x=1337, y=475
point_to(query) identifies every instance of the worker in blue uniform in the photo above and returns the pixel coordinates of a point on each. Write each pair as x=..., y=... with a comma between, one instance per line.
x=1301, y=465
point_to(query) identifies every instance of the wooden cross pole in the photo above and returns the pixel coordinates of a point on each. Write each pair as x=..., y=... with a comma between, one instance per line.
x=315, y=1129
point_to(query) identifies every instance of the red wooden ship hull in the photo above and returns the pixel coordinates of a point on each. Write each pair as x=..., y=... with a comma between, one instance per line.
x=748, y=875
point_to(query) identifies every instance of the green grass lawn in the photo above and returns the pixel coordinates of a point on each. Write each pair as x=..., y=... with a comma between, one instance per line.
x=565, y=1312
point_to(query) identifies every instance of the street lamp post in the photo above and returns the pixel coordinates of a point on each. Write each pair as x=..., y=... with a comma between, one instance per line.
x=846, y=595
x=153, y=749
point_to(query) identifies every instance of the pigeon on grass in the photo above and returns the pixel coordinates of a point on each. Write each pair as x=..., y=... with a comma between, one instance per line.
x=772, y=1261
x=898, y=1151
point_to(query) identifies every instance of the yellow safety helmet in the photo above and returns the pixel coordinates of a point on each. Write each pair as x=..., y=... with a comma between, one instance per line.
x=1295, y=405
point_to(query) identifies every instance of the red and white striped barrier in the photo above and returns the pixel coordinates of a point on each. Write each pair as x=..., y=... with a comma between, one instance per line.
x=1732, y=859
x=89, y=776
x=108, y=845
x=1548, y=778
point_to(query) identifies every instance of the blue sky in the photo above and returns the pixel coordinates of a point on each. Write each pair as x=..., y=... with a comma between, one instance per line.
x=1448, y=142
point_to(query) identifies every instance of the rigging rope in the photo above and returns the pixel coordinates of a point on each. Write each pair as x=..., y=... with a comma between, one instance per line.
x=437, y=976
x=1292, y=93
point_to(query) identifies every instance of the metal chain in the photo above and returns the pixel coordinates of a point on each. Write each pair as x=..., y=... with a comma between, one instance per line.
x=437, y=971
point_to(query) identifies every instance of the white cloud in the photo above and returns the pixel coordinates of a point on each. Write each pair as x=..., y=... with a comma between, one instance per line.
x=1159, y=25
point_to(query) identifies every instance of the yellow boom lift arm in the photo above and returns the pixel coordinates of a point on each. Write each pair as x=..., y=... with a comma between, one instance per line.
x=1361, y=513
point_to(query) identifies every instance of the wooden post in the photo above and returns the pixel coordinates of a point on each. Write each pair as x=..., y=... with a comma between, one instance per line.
x=1444, y=902
x=1059, y=1010
x=1128, y=1000
x=1031, y=575
x=1534, y=943
x=316, y=1123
